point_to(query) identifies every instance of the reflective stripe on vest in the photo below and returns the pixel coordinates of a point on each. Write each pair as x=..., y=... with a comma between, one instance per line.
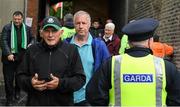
x=116, y=95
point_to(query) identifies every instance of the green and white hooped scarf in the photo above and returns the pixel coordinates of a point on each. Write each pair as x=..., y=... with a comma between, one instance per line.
x=14, y=47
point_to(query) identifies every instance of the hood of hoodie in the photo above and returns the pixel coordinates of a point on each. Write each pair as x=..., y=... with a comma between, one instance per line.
x=69, y=24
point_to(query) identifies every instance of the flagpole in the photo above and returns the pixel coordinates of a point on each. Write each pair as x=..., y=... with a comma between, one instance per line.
x=61, y=10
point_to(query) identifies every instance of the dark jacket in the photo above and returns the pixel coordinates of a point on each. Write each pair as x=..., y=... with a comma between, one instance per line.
x=96, y=32
x=63, y=61
x=100, y=84
x=6, y=43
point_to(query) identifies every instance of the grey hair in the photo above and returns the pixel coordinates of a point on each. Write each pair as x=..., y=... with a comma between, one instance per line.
x=80, y=13
x=110, y=26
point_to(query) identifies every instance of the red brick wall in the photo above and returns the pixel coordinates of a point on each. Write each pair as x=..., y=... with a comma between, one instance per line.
x=32, y=12
x=168, y=13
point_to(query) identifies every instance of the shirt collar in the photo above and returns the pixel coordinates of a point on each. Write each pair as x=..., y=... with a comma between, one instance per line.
x=89, y=41
x=110, y=38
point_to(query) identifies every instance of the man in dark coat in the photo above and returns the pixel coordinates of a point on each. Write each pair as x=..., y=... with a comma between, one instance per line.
x=16, y=37
x=51, y=70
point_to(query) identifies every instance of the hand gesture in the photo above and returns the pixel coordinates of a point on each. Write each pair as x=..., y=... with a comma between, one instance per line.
x=53, y=84
x=10, y=57
x=29, y=45
x=38, y=84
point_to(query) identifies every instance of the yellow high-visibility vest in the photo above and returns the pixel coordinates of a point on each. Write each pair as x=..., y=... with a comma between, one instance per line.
x=137, y=81
x=67, y=33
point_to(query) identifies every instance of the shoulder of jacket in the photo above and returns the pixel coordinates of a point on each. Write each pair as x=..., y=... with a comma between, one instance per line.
x=28, y=27
x=7, y=26
x=35, y=47
x=67, y=40
x=116, y=38
x=170, y=68
x=67, y=46
x=97, y=42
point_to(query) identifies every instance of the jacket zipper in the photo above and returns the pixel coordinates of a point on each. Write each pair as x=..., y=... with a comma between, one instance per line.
x=49, y=71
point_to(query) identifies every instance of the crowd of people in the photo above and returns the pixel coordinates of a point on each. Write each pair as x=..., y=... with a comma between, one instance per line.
x=82, y=64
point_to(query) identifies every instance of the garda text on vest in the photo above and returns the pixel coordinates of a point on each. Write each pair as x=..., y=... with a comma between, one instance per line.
x=139, y=78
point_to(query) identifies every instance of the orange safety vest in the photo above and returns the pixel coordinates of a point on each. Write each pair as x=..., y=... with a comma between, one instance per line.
x=161, y=49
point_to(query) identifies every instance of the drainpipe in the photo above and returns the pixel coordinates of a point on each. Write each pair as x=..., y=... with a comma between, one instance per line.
x=25, y=9
x=126, y=11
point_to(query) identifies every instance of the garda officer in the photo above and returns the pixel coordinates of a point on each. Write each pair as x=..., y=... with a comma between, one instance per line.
x=136, y=78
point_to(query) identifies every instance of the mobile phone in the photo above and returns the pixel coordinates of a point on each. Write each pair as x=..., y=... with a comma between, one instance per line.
x=47, y=79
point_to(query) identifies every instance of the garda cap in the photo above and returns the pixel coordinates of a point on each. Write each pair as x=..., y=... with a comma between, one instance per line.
x=140, y=30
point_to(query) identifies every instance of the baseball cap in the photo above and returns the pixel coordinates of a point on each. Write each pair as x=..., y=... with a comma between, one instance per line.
x=51, y=21
x=141, y=29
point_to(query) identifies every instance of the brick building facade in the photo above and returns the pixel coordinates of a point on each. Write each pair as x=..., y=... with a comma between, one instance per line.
x=168, y=13
x=32, y=12
x=121, y=11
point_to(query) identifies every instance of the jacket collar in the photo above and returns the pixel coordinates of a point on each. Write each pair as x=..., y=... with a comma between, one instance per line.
x=51, y=48
x=138, y=51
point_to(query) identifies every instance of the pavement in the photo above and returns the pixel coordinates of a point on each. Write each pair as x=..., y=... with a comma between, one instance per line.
x=20, y=102
x=2, y=95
